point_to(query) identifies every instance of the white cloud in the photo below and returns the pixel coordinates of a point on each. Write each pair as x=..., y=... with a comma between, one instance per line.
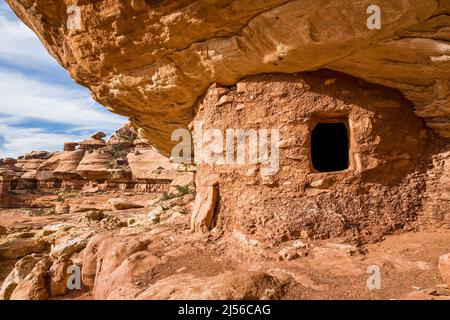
x=27, y=98
x=37, y=97
x=18, y=141
x=20, y=46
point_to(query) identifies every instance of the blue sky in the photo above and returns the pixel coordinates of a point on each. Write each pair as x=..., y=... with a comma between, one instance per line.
x=41, y=107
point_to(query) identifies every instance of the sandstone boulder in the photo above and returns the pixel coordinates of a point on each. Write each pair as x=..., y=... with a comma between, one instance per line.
x=34, y=286
x=93, y=215
x=121, y=204
x=226, y=286
x=59, y=277
x=182, y=180
x=70, y=244
x=103, y=255
x=98, y=135
x=204, y=206
x=21, y=269
x=13, y=247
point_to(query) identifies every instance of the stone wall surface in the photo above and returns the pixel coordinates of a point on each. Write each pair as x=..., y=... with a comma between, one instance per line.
x=397, y=164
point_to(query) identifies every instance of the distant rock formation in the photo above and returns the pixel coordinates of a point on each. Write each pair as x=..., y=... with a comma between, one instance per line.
x=122, y=162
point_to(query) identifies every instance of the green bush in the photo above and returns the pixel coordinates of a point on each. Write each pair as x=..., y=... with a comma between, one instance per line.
x=167, y=196
x=183, y=190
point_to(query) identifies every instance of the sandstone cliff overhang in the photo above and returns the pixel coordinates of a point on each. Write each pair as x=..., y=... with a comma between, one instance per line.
x=151, y=60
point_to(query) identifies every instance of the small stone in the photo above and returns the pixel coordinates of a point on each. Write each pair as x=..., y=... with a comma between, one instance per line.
x=154, y=219
x=322, y=183
x=156, y=211
x=62, y=208
x=131, y=222
x=121, y=204
x=223, y=100
x=304, y=234
x=240, y=106
x=297, y=244
x=94, y=215
x=98, y=135
x=288, y=254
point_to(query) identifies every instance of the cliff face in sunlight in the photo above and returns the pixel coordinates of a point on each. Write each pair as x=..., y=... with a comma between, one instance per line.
x=152, y=60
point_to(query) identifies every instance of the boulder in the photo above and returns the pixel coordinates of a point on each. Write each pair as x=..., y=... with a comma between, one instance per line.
x=204, y=206
x=109, y=253
x=98, y=135
x=62, y=208
x=59, y=277
x=21, y=269
x=70, y=146
x=121, y=204
x=3, y=231
x=182, y=180
x=93, y=215
x=231, y=285
x=70, y=244
x=34, y=286
x=12, y=247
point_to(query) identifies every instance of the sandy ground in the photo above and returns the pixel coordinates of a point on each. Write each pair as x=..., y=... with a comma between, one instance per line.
x=329, y=270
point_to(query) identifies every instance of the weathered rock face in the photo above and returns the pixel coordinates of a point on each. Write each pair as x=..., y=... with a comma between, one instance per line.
x=382, y=189
x=151, y=60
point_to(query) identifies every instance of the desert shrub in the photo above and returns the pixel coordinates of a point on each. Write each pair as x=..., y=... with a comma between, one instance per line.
x=183, y=190
x=167, y=196
x=118, y=151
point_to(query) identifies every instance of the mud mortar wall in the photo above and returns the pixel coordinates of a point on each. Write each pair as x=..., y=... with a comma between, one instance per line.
x=381, y=191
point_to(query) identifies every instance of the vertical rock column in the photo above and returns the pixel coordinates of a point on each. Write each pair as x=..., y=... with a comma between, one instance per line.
x=5, y=184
